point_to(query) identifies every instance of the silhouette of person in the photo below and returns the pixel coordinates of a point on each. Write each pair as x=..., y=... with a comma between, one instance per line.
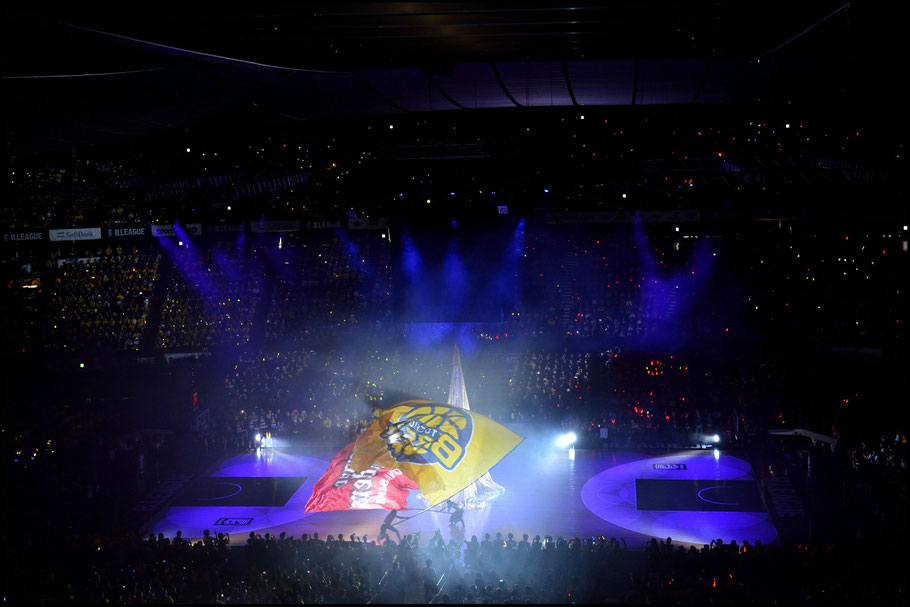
x=387, y=524
x=457, y=514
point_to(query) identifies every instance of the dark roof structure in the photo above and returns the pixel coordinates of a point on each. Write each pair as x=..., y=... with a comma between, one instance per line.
x=85, y=76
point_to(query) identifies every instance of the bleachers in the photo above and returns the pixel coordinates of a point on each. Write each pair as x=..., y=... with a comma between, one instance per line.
x=103, y=302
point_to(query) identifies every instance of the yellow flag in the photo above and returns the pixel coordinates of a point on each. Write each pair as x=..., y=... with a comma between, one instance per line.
x=441, y=448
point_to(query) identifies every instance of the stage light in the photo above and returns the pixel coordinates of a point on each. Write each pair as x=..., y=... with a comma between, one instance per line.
x=565, y=440
x=258, y=437
x=715, y=438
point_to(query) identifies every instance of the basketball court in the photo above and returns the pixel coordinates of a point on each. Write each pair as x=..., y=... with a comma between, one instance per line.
x=693, y=496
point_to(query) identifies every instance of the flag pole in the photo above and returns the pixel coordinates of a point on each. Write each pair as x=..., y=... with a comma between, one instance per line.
x=430, y=507
x=421, y=512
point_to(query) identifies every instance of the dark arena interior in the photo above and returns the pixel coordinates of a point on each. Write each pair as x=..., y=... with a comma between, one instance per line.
x=663, y=243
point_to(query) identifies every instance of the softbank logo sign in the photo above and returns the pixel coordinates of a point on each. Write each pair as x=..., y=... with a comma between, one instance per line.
x=74, y=234
x=234, y=522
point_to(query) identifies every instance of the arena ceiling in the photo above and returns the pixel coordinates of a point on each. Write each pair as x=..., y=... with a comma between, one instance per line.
x=82, y=76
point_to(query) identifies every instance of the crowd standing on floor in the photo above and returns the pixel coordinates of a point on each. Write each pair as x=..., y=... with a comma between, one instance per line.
x=88, y=568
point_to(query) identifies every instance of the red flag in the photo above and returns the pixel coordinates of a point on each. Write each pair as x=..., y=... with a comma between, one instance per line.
x=340, y=488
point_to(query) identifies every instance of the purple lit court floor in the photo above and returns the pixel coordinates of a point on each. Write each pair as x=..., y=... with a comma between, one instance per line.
x=692, y=496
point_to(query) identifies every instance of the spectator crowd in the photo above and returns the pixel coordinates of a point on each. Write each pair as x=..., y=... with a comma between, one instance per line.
x=627, y=335
x=102, y=302
x=74, y=567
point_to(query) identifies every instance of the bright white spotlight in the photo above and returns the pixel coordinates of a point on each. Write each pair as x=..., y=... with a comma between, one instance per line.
x=565, y=440
x=715, y=438
x=572, y=453
x=716, y=454
x=258, y=437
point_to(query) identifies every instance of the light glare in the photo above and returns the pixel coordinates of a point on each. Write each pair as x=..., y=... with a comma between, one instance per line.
x=566, y=440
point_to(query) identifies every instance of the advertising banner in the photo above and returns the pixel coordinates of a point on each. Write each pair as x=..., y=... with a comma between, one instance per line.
x=75, y=234
x=262, y=227
x=62, y=261
x=221, y=228
x=316, y=225
x=364, y=223
x=681, y=216
x=23, y=236
x=127, y=232
x=163, y=229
